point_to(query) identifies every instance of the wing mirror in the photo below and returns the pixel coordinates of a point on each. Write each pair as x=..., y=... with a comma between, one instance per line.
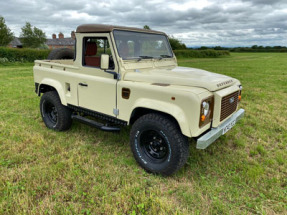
x=105, y=61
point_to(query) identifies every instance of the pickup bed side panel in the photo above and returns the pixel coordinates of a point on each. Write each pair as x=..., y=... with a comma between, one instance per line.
x=62, y=78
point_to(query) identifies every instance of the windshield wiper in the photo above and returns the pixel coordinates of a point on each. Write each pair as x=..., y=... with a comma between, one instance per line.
x=144, y=57
x=165, y=56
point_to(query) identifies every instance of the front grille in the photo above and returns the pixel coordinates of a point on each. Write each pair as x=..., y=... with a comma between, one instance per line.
x=228, y=106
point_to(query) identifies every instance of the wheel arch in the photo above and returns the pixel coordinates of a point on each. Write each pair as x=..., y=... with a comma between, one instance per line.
x=141, y=111
x=51, y=85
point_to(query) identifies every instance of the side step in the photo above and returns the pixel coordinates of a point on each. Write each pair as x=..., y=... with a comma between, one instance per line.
x=94, y=123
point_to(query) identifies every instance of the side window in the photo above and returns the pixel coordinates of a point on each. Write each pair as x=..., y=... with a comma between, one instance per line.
x=93, y=48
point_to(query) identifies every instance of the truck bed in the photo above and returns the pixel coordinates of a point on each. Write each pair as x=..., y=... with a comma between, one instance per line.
x=56, y=65
x=65, y=62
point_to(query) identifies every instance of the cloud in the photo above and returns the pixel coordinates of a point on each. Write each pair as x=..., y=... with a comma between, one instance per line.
x=196, y=22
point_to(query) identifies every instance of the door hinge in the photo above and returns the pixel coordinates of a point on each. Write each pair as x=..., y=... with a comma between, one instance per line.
x=116, y=111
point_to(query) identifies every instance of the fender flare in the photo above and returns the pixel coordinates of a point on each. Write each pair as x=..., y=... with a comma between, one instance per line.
x=58, y=87
x=167, y=108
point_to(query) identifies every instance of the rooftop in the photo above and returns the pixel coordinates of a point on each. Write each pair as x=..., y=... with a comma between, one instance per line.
x=16, y=42
x=99, y=28
x=60, y=42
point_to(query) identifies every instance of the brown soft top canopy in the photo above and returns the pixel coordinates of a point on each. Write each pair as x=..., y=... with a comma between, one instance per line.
x=98, y=28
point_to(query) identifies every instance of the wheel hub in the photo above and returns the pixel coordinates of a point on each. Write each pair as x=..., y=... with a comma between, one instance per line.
x=154, y=145
x=52, y=112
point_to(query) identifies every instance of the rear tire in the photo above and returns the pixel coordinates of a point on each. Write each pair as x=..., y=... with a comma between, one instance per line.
x=158, y=144
x=61, y=53
x=55, y=115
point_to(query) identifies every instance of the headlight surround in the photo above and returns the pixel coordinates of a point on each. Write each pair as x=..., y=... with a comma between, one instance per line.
x=206, y=111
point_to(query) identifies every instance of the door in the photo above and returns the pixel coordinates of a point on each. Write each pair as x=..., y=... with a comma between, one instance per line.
x=96, y=88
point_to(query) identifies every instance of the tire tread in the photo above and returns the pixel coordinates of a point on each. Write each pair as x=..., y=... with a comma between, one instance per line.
x=177, y=138
x=64, y=113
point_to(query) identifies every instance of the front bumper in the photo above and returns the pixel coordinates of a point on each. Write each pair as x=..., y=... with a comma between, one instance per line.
x=208, y=138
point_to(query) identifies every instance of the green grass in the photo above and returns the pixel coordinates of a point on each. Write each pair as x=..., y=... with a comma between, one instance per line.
x=87, y=171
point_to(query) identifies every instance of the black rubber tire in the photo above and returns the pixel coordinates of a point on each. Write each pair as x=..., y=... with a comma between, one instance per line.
x=59, y=118
x=169, y=132
x=61, y=53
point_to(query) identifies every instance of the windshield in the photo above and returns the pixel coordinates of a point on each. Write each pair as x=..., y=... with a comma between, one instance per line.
x=138, y=45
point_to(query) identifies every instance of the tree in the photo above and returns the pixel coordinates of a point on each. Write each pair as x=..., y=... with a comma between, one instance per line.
x=147, y=27
x=176, y=43
x=6, y=36
x=203, y=48
x=32, y=37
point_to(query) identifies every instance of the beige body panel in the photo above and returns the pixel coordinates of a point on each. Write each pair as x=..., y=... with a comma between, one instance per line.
x=184, y=108
x=181, y=76
x=99, y=94
x=155, y=84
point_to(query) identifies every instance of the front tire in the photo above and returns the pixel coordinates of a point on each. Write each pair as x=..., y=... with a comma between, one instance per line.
x=55, y=115
x=158, y=144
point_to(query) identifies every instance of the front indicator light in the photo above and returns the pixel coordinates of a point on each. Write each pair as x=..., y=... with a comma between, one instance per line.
x=239, y=98
x=202, y=118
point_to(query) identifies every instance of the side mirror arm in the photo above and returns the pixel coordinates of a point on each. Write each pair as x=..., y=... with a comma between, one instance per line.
x=116, y=75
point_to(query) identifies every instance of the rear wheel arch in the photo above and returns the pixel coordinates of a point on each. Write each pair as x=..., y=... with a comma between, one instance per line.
x=53, y=86
x=43, y=88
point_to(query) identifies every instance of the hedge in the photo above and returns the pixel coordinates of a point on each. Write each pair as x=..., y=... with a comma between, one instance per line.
x=257, y=50
x=29, y=55
x=190, y=53
x=22, y=55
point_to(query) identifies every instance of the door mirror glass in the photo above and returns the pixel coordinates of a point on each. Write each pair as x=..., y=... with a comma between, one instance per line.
x=104, y=61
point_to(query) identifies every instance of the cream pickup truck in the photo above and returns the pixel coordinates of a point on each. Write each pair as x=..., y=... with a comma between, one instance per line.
x=128, y=76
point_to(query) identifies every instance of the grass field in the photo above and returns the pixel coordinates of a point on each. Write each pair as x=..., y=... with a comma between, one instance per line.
x=87, y=171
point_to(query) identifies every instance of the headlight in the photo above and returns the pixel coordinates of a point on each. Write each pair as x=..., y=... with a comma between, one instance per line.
x=240, y=90
x=206, y=111
x=205, y=107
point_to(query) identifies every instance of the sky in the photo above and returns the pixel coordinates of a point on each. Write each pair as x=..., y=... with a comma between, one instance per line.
x=226, y=23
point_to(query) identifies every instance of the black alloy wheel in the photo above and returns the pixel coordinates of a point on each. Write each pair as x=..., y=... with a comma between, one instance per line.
x=154, y=145
x=50, y=111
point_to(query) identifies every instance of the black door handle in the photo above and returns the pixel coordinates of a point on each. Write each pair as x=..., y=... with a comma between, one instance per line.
x=83, y=85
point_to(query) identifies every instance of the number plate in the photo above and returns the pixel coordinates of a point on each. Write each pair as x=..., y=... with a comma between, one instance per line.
x=228, y=127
